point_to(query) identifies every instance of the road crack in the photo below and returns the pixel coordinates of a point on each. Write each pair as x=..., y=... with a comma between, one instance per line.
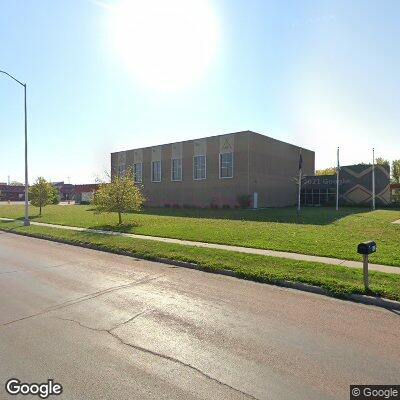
x=102, y=292
x=157, y=354
x=130, y=319
x=82, y=299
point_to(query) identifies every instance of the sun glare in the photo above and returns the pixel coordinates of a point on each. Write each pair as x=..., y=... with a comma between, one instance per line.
x=165, y=44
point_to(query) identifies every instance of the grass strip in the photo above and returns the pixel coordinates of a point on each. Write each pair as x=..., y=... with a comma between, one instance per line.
x=337, y=280
x=317, y=231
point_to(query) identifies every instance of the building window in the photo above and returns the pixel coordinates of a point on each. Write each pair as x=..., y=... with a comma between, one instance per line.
x=121, y=170
x=137, y=172
x=176, y=169
x=226, y=165
x=156, y=171
x=199, y=167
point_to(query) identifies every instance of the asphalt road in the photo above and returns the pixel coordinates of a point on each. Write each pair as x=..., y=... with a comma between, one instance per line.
x=113, y=327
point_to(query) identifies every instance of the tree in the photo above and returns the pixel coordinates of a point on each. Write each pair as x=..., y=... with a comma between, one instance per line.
x=121, y=195
x=382, y=161
x=42, y=193
x=16, y=183
x=326, y=171
x=396, y=171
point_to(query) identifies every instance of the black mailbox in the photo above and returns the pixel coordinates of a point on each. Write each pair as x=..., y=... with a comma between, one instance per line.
x=366, y=247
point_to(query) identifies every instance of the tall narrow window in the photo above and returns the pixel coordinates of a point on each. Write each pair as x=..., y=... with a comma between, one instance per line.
x=137, y=172
x=156, y=171
x=121, y=170
x=199, y=167
x=226, y=165
x=176, y=168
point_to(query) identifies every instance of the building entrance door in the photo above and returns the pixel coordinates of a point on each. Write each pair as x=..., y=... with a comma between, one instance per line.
x=255, y=200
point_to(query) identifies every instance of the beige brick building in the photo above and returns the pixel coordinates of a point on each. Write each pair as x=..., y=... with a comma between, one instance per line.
x=217, y=170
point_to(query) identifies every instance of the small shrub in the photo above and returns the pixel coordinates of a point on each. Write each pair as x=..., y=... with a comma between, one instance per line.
x=121, y=196
x=42, y=193
x=226, y=206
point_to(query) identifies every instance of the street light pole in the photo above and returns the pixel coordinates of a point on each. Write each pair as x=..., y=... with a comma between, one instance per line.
x=26, y=217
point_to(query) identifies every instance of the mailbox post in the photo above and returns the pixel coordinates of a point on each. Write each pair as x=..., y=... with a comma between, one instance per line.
x=365, y=271
x=366, y=248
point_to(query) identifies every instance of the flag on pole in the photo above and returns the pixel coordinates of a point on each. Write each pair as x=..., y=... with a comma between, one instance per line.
x=337, y=180
x=300, y=161
x=300, y=173
x=373, y=178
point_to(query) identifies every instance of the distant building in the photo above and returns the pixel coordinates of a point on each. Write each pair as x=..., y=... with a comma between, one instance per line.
x=395, y=193
x=223, y=170
x=65, y=190
x=84, y=193
x=355, y=186
x=12, y=193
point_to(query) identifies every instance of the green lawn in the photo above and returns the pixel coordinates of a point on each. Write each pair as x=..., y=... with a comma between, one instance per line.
x=336, y=279
x=318, y=231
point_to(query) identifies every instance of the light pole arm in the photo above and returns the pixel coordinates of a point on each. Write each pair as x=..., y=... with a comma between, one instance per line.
x=15, y=79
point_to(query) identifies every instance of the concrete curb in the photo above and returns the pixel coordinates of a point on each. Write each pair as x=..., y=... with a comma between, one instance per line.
x=357, y=298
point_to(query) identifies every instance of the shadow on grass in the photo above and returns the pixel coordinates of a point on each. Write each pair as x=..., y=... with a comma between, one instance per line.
x=308, y=215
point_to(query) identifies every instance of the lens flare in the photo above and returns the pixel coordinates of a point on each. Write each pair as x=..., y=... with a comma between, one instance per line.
x=164, y=44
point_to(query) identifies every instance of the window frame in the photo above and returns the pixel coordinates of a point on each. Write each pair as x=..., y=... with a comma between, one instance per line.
x=205, y=167
x=141, y=172
x=220, y=166
x=152, y=171
x=172, y=169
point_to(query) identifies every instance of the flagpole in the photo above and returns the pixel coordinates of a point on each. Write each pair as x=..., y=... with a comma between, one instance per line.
x=373, y=179
x=299, y=194
x=337, y=181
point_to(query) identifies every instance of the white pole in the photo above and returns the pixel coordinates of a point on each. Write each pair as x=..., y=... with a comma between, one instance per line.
x=373, y=179
x=337, y=181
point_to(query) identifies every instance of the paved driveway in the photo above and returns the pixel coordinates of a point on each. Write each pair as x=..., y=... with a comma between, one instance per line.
x=112, y=327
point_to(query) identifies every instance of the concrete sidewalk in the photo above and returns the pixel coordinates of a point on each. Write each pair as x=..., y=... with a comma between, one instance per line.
x=249, y=250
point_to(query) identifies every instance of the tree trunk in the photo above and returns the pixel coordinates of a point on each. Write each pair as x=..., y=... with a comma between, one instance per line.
x=120, y=218
x=40, y=210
